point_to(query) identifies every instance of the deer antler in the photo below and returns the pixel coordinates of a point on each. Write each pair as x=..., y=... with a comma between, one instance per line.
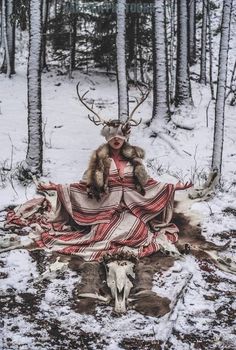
x=99, y=120
x=130, y=120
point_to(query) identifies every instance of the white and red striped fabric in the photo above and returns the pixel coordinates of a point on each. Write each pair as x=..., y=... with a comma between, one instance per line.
x=123, y=220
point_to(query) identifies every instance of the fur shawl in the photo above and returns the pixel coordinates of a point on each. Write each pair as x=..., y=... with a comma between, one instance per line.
x=99, y=165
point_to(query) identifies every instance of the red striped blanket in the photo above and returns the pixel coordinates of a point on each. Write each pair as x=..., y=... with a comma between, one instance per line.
x=123, y=220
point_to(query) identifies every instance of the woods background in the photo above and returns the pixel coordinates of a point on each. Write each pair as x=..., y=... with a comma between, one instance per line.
x=160, y=45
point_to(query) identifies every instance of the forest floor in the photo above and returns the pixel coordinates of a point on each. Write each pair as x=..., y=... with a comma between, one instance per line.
x=41, y=314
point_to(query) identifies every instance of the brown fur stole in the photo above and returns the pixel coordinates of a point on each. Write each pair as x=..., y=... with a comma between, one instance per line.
x=99, y=165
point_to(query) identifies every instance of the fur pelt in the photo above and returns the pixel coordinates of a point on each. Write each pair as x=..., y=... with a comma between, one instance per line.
x=99, y=165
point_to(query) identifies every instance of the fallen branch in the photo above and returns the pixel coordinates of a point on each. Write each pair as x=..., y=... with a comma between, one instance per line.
x=178, y=298
x=180, y=295
x=167, y=139
x=223, y=263
x=207, y=188
x=182, y=124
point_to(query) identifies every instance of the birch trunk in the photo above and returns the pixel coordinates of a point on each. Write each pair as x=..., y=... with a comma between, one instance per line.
x=160, y=66
x=123, y=105
x=192, y=31
x=33, y=163
x=221, y=89
x=183, y=88
x=203, y=43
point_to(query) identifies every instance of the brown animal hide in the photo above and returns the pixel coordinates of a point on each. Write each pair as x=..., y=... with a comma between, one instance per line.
x=143, y=299
x=150, y=304
x=92, y=277
x=191, y=235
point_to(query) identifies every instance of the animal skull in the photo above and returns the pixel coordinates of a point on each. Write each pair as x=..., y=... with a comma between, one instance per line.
x=119, y=273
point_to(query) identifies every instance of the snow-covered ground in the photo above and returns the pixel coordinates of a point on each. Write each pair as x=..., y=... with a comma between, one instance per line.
x=38, y=314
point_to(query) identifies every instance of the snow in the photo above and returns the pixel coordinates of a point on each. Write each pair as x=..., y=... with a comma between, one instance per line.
x=205, y=316
x=68, y=146
x=18, y=273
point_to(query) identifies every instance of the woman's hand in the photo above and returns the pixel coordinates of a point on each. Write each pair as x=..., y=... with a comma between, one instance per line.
x=47, y=187
x=183, y=186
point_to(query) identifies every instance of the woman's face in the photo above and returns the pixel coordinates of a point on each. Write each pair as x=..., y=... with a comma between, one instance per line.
x=116, y=142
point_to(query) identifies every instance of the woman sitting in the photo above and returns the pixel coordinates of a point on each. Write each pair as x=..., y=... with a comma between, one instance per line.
x=115, y=208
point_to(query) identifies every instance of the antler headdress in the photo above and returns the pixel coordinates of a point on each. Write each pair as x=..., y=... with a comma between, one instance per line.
x=122, y=128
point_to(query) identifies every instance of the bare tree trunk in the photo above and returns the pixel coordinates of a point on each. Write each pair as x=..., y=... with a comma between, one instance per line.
x=140, y=60
x=160, y=110
x=73, y=25
x=192, y=31
x=8, y=65
x=172, y=49
x=11, y=35
x=232, y=87
x=45, y=10
x=87, y=47
x=132, y=45
x=4, y=40
x=33, y=163
x=183, y=88
x=130, y=35
x=210, y=51
x=123, y=103
x=203, y=43
x=221, y=88
x=135, y=50
x=55, y=8
x=2, y=29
